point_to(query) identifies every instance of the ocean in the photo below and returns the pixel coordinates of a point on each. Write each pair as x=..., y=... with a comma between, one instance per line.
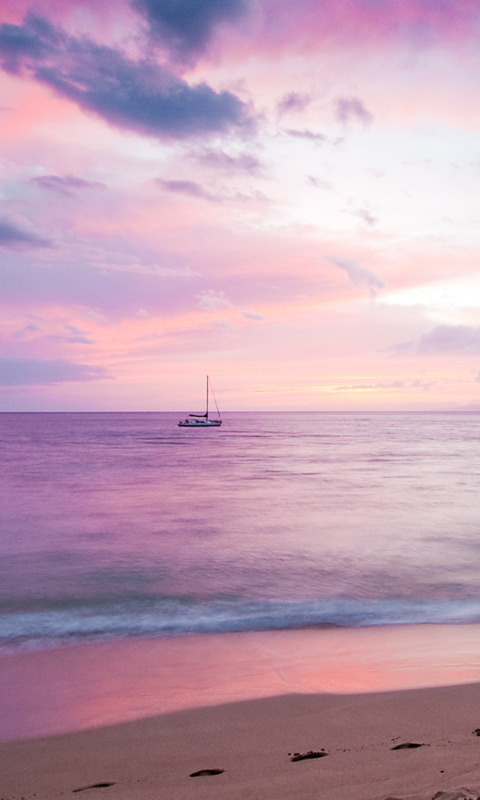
x=120, y=525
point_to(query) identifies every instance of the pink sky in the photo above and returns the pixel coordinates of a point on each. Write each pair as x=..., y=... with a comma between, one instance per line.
x=281, y=195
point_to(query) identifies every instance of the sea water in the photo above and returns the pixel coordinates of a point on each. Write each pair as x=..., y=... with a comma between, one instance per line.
x=124, y=525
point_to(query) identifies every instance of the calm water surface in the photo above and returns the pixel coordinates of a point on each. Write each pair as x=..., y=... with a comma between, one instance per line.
x=118, y=525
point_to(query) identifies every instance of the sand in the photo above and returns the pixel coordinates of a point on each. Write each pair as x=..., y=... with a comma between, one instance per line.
x=91, y=685
x=249, y=743
x=253, y=742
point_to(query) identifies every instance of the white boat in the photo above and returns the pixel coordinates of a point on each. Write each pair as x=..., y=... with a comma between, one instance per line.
x=202, y=420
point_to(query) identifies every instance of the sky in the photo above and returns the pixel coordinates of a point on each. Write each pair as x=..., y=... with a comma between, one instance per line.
x=282, y=194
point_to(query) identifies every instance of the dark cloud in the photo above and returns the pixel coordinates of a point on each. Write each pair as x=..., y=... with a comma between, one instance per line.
x=185, y=27
x=442, y=340
x=351, y=108
x=14, y=236
x=134, y=95
x=34, y=372
x=358, y=275
x=65, y=185
x=293, y=102
x=314, y=137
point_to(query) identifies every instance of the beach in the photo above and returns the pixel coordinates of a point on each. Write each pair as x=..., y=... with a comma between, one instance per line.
x=253, y=743
x=143, y=716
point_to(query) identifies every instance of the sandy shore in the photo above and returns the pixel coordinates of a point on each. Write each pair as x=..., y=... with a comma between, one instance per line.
x=349, y=693
x=86, y=686
x=251, y=741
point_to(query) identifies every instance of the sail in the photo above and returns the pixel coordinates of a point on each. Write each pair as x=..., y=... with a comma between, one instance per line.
x=202, y=416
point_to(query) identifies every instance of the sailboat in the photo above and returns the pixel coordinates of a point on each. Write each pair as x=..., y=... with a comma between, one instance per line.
x=202, y=420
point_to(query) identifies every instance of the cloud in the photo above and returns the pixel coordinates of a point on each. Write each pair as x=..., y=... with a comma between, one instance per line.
x=34, y=372
x=210, y=300
x=193, y=189
x=13, y=235
x=442, y=340
x=64, y=185
x=244, y=162
x=293, y=102
x=355, y=386
x=113, y=293
x=305, y=134
x=185, y=27
x=170, y=272
x=351, y=108
x=184, y=187
x=318, y=182
x=303, y=27
x=78, y=336
x=253, y=316
x=27, y=329
x=366, y=216
x=423, y=384
x=358, y=275
x=135, y=95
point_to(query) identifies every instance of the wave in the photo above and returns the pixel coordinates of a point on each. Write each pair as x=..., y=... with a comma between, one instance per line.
x=51, y=627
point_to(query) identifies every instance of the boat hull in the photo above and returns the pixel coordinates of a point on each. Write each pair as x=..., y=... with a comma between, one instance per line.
x=214, y=423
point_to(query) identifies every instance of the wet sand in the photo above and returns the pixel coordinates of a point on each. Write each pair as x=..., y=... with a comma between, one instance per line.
x=323, y=691
x=91, y=685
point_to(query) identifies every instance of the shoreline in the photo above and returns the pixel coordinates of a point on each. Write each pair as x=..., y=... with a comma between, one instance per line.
x=88, y=686
x=249, y=746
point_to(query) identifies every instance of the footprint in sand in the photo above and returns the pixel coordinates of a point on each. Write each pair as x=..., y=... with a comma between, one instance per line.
x=203, y=772
x=94, y=786
x=310, y=754
x=459, y=794
x=407, y=746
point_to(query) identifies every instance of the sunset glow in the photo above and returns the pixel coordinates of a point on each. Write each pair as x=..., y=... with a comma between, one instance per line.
x=283, y=196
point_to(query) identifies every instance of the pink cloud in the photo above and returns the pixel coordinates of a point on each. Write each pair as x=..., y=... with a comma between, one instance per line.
x=296, y=27
x=35, y=372
x=443, y=340
x=271, y=25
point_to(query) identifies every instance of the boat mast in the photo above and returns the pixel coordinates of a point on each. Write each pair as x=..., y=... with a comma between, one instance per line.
x=206, y=415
